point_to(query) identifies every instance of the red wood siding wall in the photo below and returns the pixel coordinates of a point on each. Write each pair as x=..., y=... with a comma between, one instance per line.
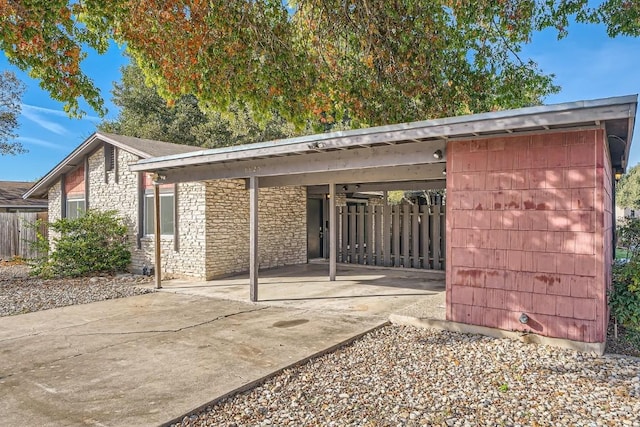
x=74, y=182
x=529, y=231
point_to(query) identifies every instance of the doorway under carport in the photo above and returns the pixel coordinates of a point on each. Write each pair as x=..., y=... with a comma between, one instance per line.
x=400, y=228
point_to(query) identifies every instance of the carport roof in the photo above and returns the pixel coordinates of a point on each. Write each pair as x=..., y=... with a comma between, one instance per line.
x=616, y=114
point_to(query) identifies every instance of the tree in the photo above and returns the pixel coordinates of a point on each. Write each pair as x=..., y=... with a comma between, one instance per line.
x=11, y=90
x=144, y=114
x=372, y=61
x=628, y=189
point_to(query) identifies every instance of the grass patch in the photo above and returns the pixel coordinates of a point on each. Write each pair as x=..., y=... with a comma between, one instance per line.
x=622, y=253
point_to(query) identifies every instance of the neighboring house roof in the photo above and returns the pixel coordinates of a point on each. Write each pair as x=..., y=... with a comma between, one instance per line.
x=143, y=148
x=617, y=114
x=11, y=195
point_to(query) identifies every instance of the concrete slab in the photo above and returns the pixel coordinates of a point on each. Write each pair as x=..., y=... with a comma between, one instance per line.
x=145, y=360
x=358, y=290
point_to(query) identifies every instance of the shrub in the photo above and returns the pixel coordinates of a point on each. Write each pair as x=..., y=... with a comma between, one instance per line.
x=629, y=236
x=624, y=295
x=93, y=243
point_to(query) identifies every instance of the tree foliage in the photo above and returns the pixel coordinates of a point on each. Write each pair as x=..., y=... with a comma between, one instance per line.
x=144, y=114
x=11, y=90
x=628, y=189
x=372, y=61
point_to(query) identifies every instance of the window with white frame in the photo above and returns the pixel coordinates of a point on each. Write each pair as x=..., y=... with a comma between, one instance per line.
x=75, y=207
x=167, y=201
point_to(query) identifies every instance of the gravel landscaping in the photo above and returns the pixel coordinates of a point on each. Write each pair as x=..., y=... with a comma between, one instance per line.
x=20, y=293
x=396, y=375
x=404, y=376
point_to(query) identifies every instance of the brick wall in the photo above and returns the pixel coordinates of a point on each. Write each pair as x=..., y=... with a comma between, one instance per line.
x=529, y=230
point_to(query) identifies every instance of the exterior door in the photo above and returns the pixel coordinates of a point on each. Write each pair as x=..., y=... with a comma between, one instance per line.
x=314, y=228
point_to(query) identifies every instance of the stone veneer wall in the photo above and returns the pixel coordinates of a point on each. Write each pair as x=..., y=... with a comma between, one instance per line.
x=213, y=221
x=282, y=219
x=122, y=196
x=529, y=230
x=189, y=259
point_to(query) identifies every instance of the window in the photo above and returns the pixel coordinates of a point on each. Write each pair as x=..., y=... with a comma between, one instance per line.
x=166, y=214
x=74, y=198
x=75, y=208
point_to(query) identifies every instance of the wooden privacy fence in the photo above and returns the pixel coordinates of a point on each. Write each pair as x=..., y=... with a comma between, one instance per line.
x=398, y=236
x=16, y=233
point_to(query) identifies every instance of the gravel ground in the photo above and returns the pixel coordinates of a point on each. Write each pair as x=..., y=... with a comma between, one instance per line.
x=396, y=375
x=404, y=376
x=20, y=293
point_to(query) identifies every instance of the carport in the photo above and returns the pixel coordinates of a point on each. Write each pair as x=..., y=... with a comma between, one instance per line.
x=530, y=196
x=402, y=156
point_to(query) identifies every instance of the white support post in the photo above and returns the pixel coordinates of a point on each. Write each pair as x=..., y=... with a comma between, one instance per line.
x=253, y=238
x=156, y=218
x=333, y=232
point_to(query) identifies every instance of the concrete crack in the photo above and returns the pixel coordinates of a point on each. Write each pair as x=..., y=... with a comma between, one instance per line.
x=156, y=331
x=152, y=331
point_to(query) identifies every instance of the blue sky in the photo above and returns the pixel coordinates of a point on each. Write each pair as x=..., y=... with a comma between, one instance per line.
x=587, y=64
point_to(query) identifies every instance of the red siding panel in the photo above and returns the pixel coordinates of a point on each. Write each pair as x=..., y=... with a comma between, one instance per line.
x=529, y=230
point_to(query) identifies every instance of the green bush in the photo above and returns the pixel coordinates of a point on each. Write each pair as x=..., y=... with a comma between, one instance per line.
x=624, y=295
x=93, y=243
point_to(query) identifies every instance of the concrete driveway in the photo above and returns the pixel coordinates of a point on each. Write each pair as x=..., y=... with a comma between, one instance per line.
x=148, y=359
x=145, y=360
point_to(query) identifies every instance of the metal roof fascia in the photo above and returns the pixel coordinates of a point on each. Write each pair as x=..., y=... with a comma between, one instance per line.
x=450, y=121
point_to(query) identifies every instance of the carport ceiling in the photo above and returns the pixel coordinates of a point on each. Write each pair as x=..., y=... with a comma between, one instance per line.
x=402, y=152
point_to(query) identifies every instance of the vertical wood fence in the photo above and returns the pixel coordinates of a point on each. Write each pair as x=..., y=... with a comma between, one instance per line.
x=16, y=233
x=399, y=236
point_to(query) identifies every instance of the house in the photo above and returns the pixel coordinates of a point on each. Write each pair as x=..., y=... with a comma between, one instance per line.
x=526, y=236
x=201, y=222
x=11, y=198
x=626, y=212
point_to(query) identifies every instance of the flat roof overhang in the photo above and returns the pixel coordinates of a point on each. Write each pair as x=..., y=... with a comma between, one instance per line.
x=402, y=152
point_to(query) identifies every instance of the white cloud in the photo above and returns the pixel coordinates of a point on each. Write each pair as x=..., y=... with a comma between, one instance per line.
x=51, y=119
x=40, y=142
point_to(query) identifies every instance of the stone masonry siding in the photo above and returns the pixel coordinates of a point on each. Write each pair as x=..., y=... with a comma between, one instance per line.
x=122, y=196
x=282, y=224
x=55, y=208
x=213, y=222
x=189, y=259
x=529, y=229
x=55, y=202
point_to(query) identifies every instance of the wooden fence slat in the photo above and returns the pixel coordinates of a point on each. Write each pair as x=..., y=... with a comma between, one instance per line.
x=424, y=225
x=369, y=235
x=386, y=234
x=352, y=234
x=415, y=237
x=360, y=233
x=406, y=221
x=396, y=236
x=435, y=236
x=378, y=235
x=345, y=234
